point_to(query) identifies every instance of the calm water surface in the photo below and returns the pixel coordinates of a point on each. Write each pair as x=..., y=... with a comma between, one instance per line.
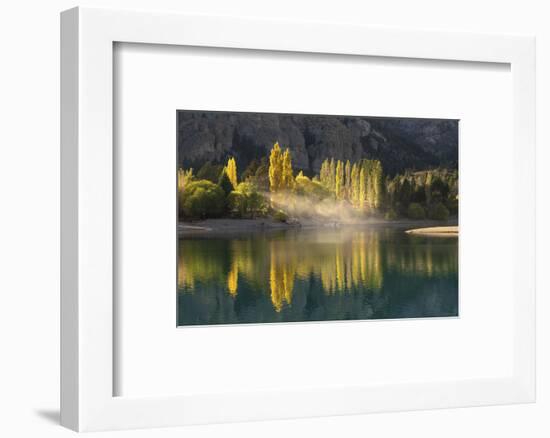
x=315, y=275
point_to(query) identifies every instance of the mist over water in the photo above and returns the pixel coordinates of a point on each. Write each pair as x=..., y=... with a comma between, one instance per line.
x=316, y=275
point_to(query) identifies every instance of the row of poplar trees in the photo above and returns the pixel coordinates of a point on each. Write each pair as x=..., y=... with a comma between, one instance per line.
x=359, y=183
x=281, y=176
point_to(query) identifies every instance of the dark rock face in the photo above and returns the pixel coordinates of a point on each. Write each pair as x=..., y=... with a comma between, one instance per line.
x=400, y=144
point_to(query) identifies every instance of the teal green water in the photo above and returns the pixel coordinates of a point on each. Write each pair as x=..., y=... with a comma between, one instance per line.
x=315, y=275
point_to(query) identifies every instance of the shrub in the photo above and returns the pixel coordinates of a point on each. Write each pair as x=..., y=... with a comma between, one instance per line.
x=439, y=212
x=416, y=211
x=311, y=188
x=245, y=201
x=225, y=183
x=236, y=203
x=452, y=205
x=390, y=215
x=210, y=171
x=280, y=216
x=202, y=199
x=439, y=190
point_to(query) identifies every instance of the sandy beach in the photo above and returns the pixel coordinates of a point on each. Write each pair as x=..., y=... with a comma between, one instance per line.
x=449, y=231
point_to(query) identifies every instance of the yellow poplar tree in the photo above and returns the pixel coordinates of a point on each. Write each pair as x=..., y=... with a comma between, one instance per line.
x=354, y=185
x=324, y=173
x=275, y=168
x=369, y=196
x=377, y=182
x=231, y=170
x=347, y=180
x=287, y=180
x=184, y=178
x=339, y=180
x=362, y=188
x=332, y=174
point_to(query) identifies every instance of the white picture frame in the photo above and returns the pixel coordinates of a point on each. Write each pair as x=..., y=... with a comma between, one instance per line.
x=87, y=344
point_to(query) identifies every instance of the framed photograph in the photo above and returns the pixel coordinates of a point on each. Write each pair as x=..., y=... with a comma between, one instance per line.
x=273, y=228
x=279, y=219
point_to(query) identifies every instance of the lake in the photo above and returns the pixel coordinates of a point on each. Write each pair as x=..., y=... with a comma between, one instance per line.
x=315, y=275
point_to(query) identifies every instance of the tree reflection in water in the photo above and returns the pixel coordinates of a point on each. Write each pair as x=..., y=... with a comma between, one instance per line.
x=315, y=275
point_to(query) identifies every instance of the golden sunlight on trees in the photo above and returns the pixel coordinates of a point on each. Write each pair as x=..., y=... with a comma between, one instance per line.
x=332, y=174
x=347, y=180
x=184, y=178
x=231, y=170
x=287, y=177
x=362, y=189
x=324, y=173
x=275, y=168
x=373, y=180
x=359, y=183
x=280, y=169
x=339, y=180
x=354, y=190
x=342, y=190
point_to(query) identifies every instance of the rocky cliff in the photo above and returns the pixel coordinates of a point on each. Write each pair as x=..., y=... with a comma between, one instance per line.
x=399, y=144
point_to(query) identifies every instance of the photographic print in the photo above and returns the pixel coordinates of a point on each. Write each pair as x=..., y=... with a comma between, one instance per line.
x=300, y=217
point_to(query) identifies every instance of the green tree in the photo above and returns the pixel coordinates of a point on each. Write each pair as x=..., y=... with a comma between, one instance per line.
x=439, y=212
x=246, y=201
x=404, y=192
x=225, y=183
x=311, y=188
x=210, y=171
x=427, y=187
x=416, y=211
x=390, y=215
x=261, y=177
x=202, y=199
x=250, y=170
x=439, y=190
x=419, y=194
x=236, y=204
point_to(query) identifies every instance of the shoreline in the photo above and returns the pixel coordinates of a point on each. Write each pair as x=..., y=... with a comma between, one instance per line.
x=217, y=226
x=445, y=231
